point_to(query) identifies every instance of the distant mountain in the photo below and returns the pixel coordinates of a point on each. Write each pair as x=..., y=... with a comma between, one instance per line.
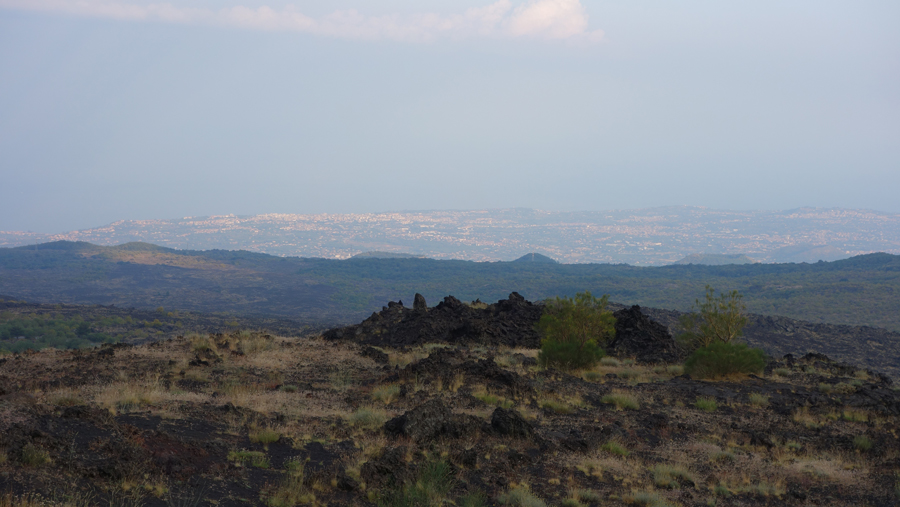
x=314, y=291
x=535, y=257
x=643, y=237
x=810, y=253
x=386, y=255
x=716, y=259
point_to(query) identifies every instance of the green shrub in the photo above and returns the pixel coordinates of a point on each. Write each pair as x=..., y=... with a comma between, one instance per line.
x=721, y=359
x=716, y=319
x=569, y=355
x=573, y=331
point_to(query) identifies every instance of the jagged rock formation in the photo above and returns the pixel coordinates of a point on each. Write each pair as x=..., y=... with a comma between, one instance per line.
x=645, y=340
x=507, y=322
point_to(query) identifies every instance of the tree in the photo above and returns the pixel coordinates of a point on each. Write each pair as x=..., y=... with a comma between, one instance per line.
x=574, y=330
x=716, y=319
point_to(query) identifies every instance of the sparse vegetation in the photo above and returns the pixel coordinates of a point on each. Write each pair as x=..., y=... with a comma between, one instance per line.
x=671, y=476
x=386, y=393
x=245, y=433
x=706, y=404
x=430, y=488
x=253, y=458
x=862, y=443
x=758, y=400
x=615, y=447
x=366, y=418
x=264, y=436
x=520, y=496
x=721, y=359
x=622, y=400
x=33, y=456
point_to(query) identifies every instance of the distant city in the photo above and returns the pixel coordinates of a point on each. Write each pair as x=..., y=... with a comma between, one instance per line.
x=655, y=236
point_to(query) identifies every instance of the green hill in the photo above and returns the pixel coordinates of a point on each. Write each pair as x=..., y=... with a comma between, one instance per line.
x=857, y=291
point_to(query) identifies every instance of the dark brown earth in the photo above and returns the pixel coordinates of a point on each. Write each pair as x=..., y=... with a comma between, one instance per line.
x=250, y=419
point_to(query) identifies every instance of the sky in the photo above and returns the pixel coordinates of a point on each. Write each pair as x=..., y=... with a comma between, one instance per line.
x=137, y=109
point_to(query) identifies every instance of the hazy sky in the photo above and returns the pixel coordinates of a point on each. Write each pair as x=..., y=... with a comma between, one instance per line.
x=131, y=109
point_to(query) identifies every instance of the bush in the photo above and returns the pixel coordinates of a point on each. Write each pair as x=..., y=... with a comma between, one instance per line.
x=574, y=331
x=569, y=356
x=716, y=319
x=719, y=359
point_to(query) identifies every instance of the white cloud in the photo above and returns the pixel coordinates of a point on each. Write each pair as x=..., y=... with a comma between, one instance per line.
x=540, y=19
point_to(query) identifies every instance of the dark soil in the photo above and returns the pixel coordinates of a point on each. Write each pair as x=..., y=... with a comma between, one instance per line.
x=249, y=419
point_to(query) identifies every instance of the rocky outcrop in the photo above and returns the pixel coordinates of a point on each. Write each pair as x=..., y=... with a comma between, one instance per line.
x=644, y=339
x=507, y=322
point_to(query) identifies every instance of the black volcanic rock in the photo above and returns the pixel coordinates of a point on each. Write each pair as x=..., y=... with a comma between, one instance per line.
x=507, y=322
x=646, y=340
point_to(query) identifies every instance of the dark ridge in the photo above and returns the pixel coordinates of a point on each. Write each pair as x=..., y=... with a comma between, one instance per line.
x=536, y=257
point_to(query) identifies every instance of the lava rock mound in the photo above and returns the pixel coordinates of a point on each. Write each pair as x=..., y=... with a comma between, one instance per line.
x=507, y=322
x=646, y=340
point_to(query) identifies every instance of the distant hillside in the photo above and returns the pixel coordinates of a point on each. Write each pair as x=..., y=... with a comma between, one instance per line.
x=716, y=259
x=640, y=237
x=857, y=291
x=386, y=255
x=535, y=257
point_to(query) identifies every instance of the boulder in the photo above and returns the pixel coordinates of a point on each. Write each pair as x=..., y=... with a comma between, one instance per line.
x=646, y=340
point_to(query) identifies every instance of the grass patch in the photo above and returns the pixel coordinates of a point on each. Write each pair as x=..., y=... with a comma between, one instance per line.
x=366, y=418
x=759, y=400
x=615, y=447
x=675, y=370
x=264, y=436
x=862, y=443
x=647, y=499
x=557, y=406
x=671, y=476
x=386, y=394
x=253, y=458
x=782, y=372
x=430, y=488
x=488, y=398
x=292, y=490
x=474, y=499
x=706, y=404
x=609, y=361
x=810, y=421
x=33, y=456
x=855, y=416
x=520, y=496
x=723, y=456
x=622, y=400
